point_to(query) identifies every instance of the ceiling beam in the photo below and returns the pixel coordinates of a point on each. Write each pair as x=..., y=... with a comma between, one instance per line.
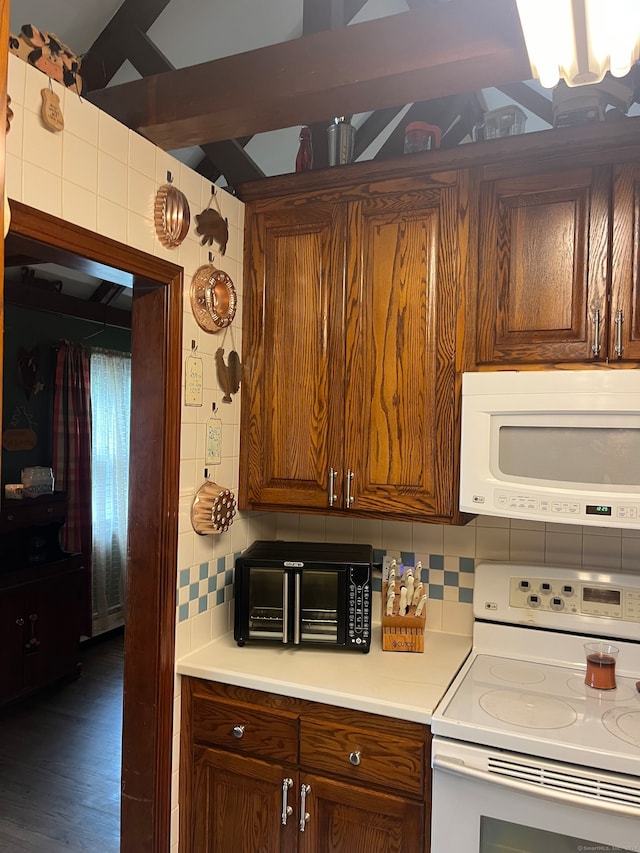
x=33, y=297
x=444, y=49
x=530, y=100
x=109, y=50
x=227, y=157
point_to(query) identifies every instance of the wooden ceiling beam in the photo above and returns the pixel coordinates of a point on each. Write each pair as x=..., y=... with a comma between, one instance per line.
x=444, y=49
x=30, y=296
x=109, y=50
x=530, y=100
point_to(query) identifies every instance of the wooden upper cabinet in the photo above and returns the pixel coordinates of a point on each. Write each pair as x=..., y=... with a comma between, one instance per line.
x=349, y=340
x=400, y=353
x=294, y=340
x=624, y=319
x=544, y=261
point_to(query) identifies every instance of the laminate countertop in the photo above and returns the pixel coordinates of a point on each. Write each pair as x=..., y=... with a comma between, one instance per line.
x=402, y=685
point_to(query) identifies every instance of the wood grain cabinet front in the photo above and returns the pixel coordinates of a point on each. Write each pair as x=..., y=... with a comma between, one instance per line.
x=558, y=265
x=352, y=781
x=351, y=304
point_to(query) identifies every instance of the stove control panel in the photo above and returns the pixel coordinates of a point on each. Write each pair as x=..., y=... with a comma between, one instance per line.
x=575, y=597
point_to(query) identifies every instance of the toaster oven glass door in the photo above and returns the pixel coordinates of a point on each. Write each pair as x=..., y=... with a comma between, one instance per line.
x=317, y=611
x=268, y=604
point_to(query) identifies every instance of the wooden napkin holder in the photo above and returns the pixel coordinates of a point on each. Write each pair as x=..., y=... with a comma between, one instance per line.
x=401, y=633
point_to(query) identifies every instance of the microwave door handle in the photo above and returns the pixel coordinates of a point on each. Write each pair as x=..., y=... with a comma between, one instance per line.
x=296, y=610
x=453, y=765
x=285, y=606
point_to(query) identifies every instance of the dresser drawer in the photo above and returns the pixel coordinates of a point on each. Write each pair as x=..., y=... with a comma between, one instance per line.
x=360, y=755
x=247, y=729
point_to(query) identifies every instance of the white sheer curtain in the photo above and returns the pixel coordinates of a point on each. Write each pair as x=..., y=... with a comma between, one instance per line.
x=110, y=412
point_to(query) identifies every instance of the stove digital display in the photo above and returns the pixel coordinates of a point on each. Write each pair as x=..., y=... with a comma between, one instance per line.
x=600, y=595
x=596, y=509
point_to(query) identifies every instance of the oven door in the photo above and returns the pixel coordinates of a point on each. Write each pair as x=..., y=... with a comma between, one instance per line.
x=319, y=614
x=488, y=800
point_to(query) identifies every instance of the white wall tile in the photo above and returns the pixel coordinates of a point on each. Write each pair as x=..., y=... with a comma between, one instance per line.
x=113, y=138
x=428, y=538
x=603, y=552
x=112, y=220
x=42, y=189
x=492, y=543
x=79, y=206
x=113, y=181
x=16, y=71
x=527, y=546
x=140, y=233
x=80, y=162
x=457, y=618
x=82, y=116
x=460, y=541
x=13, y=177
x=40, y=146
x=563, y=548
x=142, y=157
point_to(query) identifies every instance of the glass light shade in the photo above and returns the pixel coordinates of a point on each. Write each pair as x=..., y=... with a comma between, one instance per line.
x=580, y=40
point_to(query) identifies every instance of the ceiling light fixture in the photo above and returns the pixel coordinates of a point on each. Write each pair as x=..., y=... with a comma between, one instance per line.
x=580, y=40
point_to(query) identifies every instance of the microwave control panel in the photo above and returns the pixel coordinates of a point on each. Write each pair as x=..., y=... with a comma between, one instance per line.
x=575, y=598
x=540, y=506
x=359, y=607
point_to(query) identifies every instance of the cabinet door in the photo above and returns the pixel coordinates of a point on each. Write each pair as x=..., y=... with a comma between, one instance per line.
x=624, y=324
x=52, y=629
x=400, y=352
x=344, y=819
x=12, y=633
x=294, y=372
x=544, y=258
x=237, y=805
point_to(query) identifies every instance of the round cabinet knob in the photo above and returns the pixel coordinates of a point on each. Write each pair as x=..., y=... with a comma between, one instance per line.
x=354, y=757
x=238, y=731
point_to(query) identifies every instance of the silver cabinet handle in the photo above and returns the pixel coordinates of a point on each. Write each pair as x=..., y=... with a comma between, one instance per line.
x=595, y=349
x=296, y=611
x=355, y=757
x=285, y=607
x=349, y=497
x=304, y=814
x=287, y=810
x=618, y=322
x=238, y=731
x=332, y=486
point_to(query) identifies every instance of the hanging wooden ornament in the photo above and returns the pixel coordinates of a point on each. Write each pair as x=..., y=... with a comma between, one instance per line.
x=172, y=216
x=213, y=298
x=51, y=113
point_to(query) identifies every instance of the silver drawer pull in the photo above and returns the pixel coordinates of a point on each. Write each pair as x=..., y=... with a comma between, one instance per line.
x=354, y=757
x=238, y=731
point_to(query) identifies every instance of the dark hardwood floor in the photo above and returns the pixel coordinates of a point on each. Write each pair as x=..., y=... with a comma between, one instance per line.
x=60, y=760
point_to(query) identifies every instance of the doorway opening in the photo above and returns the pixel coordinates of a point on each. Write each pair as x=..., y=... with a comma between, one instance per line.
x=149, y=651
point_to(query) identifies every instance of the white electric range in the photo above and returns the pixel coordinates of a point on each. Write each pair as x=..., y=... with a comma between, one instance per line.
x=526, y=757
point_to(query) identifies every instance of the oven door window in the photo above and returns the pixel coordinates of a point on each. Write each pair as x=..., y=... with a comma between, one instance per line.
x=320, y=613
x=501, y=836
x=267, y=602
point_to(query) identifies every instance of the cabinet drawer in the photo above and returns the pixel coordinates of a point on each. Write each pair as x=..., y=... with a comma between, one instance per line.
x=389, y=760
x=246, y=729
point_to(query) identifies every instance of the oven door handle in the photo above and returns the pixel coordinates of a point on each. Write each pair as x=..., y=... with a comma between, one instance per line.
x=454, y=765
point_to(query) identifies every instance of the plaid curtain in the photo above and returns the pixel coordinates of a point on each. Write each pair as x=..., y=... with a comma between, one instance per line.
x=72, y=456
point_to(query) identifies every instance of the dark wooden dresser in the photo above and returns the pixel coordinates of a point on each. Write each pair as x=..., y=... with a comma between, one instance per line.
x=40, y=596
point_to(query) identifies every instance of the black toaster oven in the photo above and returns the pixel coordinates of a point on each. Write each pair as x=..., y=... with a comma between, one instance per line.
x=304, y=594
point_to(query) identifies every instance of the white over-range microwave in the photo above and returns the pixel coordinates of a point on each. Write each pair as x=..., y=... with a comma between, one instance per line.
x=552, y=445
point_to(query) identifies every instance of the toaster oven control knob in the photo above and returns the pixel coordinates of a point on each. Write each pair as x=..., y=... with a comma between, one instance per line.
x=533, y=600
x=238, y=731
x=354, y=757
x=557, y=603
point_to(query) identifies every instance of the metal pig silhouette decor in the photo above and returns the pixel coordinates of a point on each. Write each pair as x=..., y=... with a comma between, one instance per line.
x=230, y=374
x=211, y=226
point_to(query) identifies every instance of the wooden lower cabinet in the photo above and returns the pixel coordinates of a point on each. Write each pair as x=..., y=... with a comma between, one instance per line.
x=346, y=818
x=355, y=781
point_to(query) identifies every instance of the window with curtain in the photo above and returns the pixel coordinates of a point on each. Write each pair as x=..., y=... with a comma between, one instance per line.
x=110, y=384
